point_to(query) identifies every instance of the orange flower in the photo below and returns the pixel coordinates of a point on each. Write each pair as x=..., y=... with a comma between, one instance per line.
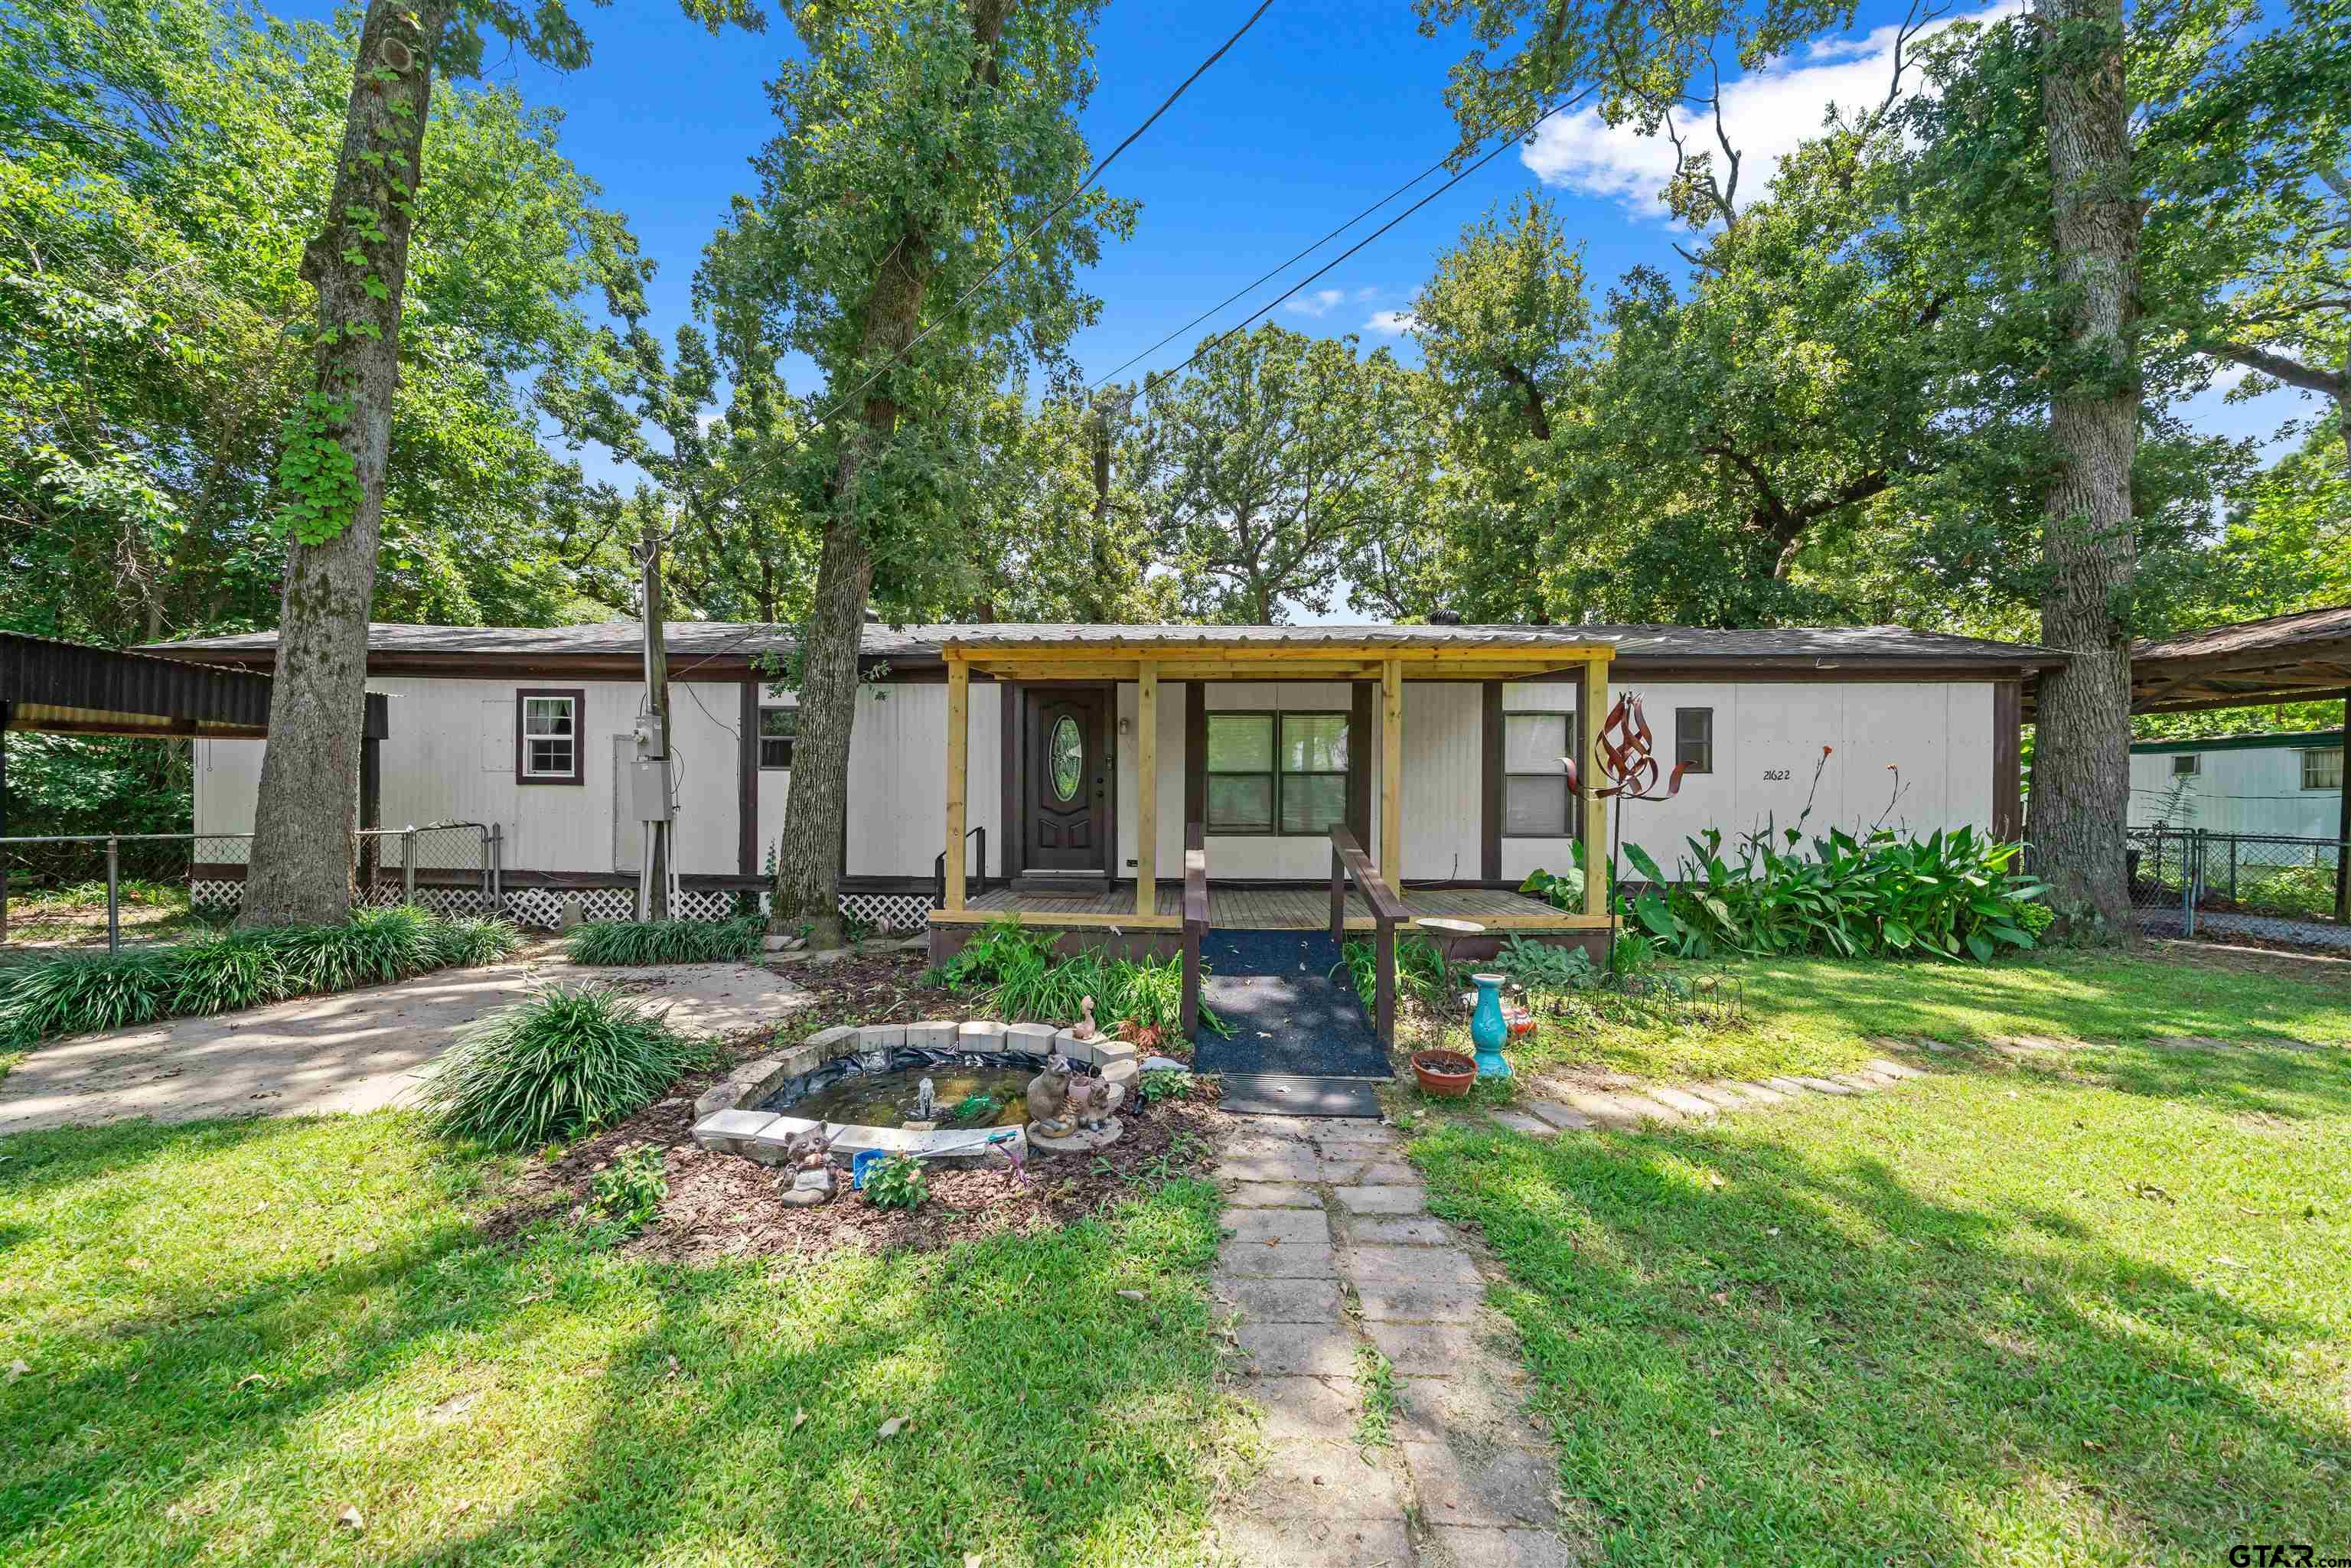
x=1826, y=750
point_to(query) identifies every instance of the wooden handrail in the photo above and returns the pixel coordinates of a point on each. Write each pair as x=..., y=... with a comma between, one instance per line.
x=1196, y=919
x=1348, y=859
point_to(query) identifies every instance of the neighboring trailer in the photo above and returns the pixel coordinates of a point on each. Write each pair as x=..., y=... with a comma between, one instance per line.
x=2290, y=785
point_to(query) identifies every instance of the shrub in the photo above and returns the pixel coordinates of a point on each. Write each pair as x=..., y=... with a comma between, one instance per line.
x=668, y=941
x=898, y=1182
x=1164, y=1083
x=470, y=940
x=630, y=1190
x=1951, y=895
x=1420, y=970
x=378, y=946
x=1025, y=980
x=563, y=1062
x=1540, y=966
x=74, y=993
x=221, y=974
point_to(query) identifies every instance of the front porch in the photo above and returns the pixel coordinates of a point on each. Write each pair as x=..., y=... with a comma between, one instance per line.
x=1262, y=909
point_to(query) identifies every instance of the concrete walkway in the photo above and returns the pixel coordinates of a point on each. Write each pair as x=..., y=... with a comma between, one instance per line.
x=1628, y=1106
x=355, y=1051
x=1345, y=1293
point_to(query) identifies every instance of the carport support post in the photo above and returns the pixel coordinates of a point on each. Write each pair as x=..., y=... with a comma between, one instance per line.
x=2342, y=822
x=1146, y=789
x=958, y=768
x=113, y=896
x=408, y=866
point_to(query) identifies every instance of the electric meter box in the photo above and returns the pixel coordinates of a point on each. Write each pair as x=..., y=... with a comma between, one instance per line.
x=649, y=788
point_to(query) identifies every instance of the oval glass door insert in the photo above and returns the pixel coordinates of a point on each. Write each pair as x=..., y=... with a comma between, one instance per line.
x=1068, y=754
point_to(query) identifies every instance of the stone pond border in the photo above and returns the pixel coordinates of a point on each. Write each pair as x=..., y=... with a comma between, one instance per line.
x=726, y=1122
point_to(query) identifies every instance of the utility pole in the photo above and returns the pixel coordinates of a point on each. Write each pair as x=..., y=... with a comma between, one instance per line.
x=653, y=742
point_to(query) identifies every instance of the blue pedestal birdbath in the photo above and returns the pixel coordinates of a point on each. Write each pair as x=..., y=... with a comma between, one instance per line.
x=1487, y=1028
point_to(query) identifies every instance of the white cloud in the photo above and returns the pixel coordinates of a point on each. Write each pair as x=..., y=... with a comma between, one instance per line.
x=1767, y=113
x=1394, y=323
x=1323, y=301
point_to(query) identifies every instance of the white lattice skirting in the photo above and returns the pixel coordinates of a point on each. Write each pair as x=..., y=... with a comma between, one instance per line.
x=543, y=906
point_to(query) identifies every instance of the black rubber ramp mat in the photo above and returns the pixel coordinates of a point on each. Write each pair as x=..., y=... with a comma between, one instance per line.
x=1281, y=1094
x=1299, y=1024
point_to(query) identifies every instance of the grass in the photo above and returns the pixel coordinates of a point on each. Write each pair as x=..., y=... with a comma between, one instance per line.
x=235, y=1330
x=75, y=914
x=1819, y=1015
x=2093, y=1313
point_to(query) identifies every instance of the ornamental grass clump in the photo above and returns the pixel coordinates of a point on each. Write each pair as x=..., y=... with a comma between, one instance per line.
x=564, y=1062
x=668, y=941
x=75, y=993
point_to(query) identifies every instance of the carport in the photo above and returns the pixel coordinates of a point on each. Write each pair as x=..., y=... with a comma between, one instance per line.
x=52, y=687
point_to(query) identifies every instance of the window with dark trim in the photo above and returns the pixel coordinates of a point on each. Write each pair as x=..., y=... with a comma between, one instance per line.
x=1278, y=774
x=1694, y=740
x=778, y=728
x=2185, y=764
x=2321, y=767
x=1536, y=801
x=547, y=736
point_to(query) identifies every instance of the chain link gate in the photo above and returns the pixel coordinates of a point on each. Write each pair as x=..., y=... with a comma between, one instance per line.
x=2275, y=887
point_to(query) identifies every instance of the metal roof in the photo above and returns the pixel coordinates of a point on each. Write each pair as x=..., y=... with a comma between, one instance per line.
x=75, y=688
x=1812, y=647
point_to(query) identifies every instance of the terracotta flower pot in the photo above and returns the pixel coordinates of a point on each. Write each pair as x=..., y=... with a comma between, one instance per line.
x=1444, y=1074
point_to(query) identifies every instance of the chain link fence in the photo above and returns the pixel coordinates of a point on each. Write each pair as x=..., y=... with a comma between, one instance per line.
x=73, y=891
x=2191, y=882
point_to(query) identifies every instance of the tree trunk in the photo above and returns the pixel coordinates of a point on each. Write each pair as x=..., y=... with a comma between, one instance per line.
x=808, y=858
x=302, y=862
x=2081, y=768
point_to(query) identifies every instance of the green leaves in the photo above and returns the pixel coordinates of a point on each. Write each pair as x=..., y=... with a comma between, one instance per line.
x=318, y=479
x=1947, y=895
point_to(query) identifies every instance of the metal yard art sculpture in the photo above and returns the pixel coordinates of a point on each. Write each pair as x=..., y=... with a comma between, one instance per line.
x=1628, y=769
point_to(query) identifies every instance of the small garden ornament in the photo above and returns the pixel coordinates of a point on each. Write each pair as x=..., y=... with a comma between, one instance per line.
x=1487, y=1028
x=809, y=1156
x=1084, y=1028
x=1048, y=1099
x=1093, y=1101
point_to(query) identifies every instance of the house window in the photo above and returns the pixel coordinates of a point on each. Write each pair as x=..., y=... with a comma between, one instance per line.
x=2322, y=770
x=1277, y=773
x=2187, y=764
x=1536, y=802
x=777, y=726
x=1313, y=781
x=547, y=736
x=1694, y=740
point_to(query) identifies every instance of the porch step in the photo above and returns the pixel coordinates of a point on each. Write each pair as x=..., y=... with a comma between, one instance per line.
x=1287, y=1095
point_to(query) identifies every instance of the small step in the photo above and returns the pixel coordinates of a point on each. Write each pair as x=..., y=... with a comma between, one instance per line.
x=1288, y=1095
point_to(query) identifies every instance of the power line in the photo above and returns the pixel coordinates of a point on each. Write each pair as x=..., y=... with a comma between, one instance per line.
x=1059, y=208
x=1160, y=379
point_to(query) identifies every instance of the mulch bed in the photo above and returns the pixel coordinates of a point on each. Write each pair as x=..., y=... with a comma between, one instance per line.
x=725, y=1206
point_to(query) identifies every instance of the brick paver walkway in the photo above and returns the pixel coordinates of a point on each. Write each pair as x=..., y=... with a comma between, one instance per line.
x=1334, y=1263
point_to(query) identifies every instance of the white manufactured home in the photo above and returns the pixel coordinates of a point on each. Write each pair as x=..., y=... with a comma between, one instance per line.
x=1066, y=762
x=2289, y=785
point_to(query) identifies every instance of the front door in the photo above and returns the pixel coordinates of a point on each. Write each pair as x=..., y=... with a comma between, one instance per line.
x=1066, y=823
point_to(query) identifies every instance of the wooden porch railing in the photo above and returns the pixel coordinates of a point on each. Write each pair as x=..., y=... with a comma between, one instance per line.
x=1348, y=859
x=1196, y=919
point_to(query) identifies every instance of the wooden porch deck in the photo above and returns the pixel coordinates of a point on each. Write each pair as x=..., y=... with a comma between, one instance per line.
x=1262, y=909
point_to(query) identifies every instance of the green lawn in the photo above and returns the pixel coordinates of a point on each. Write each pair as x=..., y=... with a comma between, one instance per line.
x=1819, y=1015
x=2095, y=1310
x=233, y=1332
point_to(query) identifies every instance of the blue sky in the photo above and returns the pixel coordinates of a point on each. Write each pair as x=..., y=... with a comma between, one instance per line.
x=1322, y=108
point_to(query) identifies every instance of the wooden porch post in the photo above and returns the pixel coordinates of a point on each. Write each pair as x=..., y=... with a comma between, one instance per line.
x=1391, y=860
x=1595, y=705
x=1146, y=789
x=959, y=772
